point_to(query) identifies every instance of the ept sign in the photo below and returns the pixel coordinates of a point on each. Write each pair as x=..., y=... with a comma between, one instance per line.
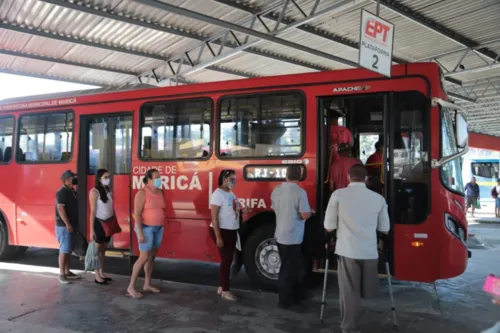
x=375, y=43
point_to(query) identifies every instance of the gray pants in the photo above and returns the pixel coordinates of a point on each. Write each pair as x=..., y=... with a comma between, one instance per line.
x=357, y=279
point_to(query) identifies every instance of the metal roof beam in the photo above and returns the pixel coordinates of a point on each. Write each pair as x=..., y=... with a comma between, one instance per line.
x=437, y=28
x=310, y=29
x=82, y=41
x=270, y=37
x=120, y=17
x=51, y=77
x=66, y=62
x=461, y=97
x=494, y=64
x=448, y=53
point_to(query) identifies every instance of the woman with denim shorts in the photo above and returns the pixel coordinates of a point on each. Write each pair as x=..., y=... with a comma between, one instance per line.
x=149, y=211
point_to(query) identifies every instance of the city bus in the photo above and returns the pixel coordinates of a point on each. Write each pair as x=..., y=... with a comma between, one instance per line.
x=258, y=127
x=486, y=172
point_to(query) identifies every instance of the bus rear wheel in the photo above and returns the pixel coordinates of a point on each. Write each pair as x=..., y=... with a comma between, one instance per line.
x=261, y=258
x=6, y=251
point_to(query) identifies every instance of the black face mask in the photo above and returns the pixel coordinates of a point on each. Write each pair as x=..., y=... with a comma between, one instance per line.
x=75, y=181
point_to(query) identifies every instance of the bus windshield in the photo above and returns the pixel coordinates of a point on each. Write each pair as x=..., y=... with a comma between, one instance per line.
x=451, y=172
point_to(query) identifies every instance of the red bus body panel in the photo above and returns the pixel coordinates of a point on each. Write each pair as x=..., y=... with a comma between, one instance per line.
x=27, y=199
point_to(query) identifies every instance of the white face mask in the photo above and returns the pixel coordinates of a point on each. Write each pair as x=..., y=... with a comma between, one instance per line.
x=105, y=182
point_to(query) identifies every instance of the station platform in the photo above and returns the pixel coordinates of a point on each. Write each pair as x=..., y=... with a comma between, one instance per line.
x=33, y=300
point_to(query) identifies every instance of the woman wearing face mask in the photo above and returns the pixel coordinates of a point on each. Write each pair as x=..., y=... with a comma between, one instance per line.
x=101, y=209
x=224, y=227
x=149, y=212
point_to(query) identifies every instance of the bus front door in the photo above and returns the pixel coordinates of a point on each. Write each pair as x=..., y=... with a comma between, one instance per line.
x=106, y=143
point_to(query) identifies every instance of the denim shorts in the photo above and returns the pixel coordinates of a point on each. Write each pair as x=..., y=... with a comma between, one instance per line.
x=153, y=235
x=65, y=240
x=497, y=202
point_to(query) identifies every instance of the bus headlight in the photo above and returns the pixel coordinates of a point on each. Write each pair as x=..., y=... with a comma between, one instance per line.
x=455, y=228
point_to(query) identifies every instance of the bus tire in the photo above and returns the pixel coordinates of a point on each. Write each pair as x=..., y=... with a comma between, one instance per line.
x=6, y=251
x=261, y=258
x=20, y=251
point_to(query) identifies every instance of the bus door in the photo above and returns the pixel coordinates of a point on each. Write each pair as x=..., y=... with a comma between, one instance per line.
x=401, y=121
x=106, y=143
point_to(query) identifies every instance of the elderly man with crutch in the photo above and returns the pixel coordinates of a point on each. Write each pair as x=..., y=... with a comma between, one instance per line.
x=356, y=214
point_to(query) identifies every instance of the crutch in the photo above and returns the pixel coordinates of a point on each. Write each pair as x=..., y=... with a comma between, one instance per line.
x=389, y=279
x=325, y=277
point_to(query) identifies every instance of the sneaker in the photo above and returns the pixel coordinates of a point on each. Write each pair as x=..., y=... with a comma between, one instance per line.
x=63, y=279
x=72, y=276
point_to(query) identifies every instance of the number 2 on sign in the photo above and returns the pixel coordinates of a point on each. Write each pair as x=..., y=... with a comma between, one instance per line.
x=375, y=61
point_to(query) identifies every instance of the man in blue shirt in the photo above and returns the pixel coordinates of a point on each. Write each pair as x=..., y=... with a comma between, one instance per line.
x=290, y=203
x=471, y=195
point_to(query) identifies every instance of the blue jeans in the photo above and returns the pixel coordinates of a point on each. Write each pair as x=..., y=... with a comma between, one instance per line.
x=153, y=235
x=65, y=240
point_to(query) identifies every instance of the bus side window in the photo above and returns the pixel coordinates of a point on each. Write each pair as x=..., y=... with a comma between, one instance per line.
x=6, y=135
x=176, y=129
x=261, y=125
x=45, y=137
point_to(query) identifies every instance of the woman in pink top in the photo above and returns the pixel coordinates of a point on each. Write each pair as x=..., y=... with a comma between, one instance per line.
x=149, y=211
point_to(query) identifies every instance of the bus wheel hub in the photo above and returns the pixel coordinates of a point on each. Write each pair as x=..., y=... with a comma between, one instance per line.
x=268, y=259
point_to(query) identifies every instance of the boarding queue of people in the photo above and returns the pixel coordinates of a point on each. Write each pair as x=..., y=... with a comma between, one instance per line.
x=355, y=226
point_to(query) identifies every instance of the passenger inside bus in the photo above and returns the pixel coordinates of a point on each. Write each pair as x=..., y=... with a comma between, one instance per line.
x=340, y=167
x=338, y=134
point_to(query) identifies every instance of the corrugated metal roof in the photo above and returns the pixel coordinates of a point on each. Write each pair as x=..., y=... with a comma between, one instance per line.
x=110, y=42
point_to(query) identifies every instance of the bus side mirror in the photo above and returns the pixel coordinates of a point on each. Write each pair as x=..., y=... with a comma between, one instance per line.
x=462, y=134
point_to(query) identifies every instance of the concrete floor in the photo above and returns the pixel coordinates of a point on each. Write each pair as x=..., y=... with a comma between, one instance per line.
x=36, y=302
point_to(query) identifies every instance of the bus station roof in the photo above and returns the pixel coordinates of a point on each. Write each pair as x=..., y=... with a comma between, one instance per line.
x=118, y=43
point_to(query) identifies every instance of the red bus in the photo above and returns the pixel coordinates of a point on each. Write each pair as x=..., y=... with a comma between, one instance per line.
x=256, y=126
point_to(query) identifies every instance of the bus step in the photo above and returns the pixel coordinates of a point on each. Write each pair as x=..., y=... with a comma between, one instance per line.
x=117, y=253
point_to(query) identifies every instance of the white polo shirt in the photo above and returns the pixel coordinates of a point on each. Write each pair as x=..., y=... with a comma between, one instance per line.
x=357, y=213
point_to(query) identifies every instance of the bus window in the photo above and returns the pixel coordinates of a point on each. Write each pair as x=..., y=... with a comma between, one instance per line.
x=411, y=171
x=45, y=138
x=451, y=172
x=110, y=138
x=367, y=145
x=6, y=133
x=261, y=126
x=487, y=170
x=176, y=130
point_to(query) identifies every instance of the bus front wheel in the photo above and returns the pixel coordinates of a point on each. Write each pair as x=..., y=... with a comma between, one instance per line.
x=261, y=258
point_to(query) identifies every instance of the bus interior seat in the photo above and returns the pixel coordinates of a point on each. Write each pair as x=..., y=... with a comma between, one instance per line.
x=7, y=154
x=65, y=156
x=20, y=156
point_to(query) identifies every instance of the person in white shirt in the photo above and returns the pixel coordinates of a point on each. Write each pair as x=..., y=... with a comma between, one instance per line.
x=101, y=209
x=357, y=214
x=224, y=227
